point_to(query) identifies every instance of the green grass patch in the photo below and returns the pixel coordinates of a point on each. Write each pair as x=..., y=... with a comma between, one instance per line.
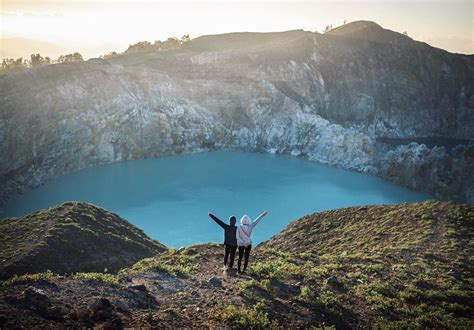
x=380, y=295
x=253, y=317
x=306, y=293
x=46, y=276
x=172, y=262
x=264, y=284
x=328, y=300
x=99, y=277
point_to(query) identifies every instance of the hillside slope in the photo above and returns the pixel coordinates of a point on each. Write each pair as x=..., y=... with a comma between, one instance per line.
x=398, y=265
x=329, y=98
x=69, y=238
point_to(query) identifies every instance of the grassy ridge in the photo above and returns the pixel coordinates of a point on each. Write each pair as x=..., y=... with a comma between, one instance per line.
x=69, y=238
x=408, y=264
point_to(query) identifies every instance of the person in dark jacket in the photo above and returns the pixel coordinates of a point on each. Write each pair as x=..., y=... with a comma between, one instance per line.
x=230, y=239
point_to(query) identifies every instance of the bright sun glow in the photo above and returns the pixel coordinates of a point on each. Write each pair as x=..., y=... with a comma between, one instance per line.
x=96, y=28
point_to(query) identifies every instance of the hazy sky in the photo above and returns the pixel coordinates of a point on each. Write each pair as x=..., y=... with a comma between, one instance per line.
x=97, y=27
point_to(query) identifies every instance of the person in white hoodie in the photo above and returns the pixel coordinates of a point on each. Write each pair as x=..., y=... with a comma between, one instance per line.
x=244, y=241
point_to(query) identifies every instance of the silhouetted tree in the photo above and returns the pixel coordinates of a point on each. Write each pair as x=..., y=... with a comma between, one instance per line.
x=38, y=60
x=13, y=65
x=109, y=55
x=75, y=57
x=158, y=45
x=139, y=46
x=171, y=43
x=328, y=28
x=185, y=39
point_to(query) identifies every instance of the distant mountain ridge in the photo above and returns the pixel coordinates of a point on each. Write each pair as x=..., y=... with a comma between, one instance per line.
x=331, y=98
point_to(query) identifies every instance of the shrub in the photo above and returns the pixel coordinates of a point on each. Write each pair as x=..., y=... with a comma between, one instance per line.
x=100, y=277
x=328, y=300
x=306, y=293
x=270, y=270
x=264, y=284
x=172, y=262
x=46, y=276
x=254, y=317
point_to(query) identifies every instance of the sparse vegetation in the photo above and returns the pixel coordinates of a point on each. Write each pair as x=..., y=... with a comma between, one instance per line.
x=328, y=300
x=108, y=279
x=46, y=276
x=306, y=293
x=263, y=284
x=403, y=260
x=253, y=317
x=158, y=45
x=172, y=262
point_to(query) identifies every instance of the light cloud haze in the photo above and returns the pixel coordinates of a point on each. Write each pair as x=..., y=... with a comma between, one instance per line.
x=97, y=27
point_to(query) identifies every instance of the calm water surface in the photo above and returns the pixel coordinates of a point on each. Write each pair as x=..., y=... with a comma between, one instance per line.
x=169, y=197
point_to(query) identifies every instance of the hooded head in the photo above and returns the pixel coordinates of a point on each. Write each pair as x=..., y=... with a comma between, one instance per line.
x=245, y=220
x=232, y=220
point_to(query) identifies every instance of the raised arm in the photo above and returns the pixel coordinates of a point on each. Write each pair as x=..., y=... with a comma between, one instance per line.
x=256, y=221
x=217, y=220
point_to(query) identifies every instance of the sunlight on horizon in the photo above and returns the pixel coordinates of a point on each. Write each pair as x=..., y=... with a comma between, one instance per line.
x=95, y=28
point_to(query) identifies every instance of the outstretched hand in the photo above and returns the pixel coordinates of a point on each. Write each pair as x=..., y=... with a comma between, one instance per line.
x=265, y=213
x=208, y=213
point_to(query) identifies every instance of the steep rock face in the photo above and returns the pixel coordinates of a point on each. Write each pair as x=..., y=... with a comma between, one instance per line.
x=397, y=87
x=324, y=97
x=430, y=169
x=69, y=238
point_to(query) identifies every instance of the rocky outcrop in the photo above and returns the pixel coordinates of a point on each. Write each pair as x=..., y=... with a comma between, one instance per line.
x=69, y=238
x=326, y=97
x=432, y=169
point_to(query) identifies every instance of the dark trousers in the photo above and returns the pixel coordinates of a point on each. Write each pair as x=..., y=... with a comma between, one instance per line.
x=229, y=249
x=244, y=251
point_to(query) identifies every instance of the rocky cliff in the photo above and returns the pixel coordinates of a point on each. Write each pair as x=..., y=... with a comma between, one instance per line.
x=334, y=98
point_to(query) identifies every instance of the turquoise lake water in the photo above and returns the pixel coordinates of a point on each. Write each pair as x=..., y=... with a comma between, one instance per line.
x=169, y=197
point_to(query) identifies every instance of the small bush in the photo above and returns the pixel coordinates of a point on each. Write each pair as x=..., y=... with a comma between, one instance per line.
x=46, y=276
x=328, y=300
x=100, y=277
x=264, y=284
x=306, y=293
x=254, y=318
x=172, y=263
x=270, y=270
